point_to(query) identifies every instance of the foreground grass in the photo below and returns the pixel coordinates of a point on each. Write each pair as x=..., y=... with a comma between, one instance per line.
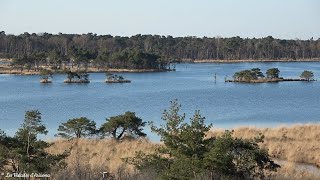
x=294, y=144
x=93, y=156
x=298, y=143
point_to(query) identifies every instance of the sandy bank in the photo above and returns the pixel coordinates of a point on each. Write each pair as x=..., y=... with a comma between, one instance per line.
x=4, y=69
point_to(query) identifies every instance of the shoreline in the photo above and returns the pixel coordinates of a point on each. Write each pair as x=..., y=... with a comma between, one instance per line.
x=268, y=80
x=249, y=60
x=5, y=69
x=90, y=70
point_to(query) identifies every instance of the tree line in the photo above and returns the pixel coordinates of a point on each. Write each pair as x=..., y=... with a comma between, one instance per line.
x=147, y=51
x=186, y=152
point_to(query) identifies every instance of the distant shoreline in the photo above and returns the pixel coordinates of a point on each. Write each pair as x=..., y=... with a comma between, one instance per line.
x=90, y=70
x=249, y=60
x=5, y=69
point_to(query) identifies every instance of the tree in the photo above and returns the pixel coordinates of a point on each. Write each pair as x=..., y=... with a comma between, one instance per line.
x=186, y=153
x=19, y=62
x=3, y=154
x=77, y=127
x=31, y=128
x=273, y=73
x=127, y=124
x=45, y=74
x=307, y=75
x=70, y=75
x=82, y=75
x=248, y=75
x=241, y=158
x=257, y=73
x=25, y=153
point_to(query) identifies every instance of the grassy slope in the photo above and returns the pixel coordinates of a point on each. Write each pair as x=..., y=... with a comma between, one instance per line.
x=299, y=143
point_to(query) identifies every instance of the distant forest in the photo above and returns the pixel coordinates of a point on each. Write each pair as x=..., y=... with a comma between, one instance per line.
x=148, y=51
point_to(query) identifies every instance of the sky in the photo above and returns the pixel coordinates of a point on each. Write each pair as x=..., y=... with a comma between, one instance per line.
x=285, y=19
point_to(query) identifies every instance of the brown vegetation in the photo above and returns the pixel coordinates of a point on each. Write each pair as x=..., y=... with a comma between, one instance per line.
x=91, y=155
x=298, y=143
x=294, y=144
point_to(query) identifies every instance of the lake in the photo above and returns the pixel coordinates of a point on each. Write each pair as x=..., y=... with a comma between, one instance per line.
x=226, y=105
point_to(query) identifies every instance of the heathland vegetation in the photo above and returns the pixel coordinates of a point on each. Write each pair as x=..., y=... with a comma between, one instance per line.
x=188, y=150
x=153, y=52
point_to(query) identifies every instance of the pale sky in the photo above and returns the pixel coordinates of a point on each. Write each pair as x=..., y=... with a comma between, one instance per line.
x=288, y=19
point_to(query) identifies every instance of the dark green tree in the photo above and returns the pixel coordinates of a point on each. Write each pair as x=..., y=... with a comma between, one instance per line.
x=24, y=153
x=77, y=127
x=248, y=75
x=273, y=73
x=307, y=75
x=256, y=73
x=45, y=74
x=3, y=153
x=127, y=124
x=31, y=128
x=70, y=75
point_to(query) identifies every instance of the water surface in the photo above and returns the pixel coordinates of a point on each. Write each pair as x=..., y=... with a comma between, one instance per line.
x=226, y=105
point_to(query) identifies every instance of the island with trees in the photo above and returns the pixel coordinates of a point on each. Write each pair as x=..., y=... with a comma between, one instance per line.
x=77, y=77
x=255, y=75
x=114, y=78
x=46, y=76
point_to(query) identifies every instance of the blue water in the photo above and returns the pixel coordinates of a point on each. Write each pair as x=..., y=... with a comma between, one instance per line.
x=226, y=105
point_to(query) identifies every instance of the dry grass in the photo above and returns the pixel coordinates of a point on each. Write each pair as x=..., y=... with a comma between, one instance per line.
x=298, y=143
x=102, y=154
x=290, y=171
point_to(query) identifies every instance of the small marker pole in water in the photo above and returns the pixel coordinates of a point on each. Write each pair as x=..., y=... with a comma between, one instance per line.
x=215, y=77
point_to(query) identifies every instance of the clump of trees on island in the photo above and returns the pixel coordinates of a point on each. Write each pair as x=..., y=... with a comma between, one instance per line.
x=46, y=76
x=77, y=77
x=114, y=78
x=80, y=77
x=186, y=153
x=30, y=51
x=273, y=75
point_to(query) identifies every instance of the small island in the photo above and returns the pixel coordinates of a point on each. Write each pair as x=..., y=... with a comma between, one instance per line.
x=46, y=76
x=272, y=75
x=77, y=77
x=114, y=78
